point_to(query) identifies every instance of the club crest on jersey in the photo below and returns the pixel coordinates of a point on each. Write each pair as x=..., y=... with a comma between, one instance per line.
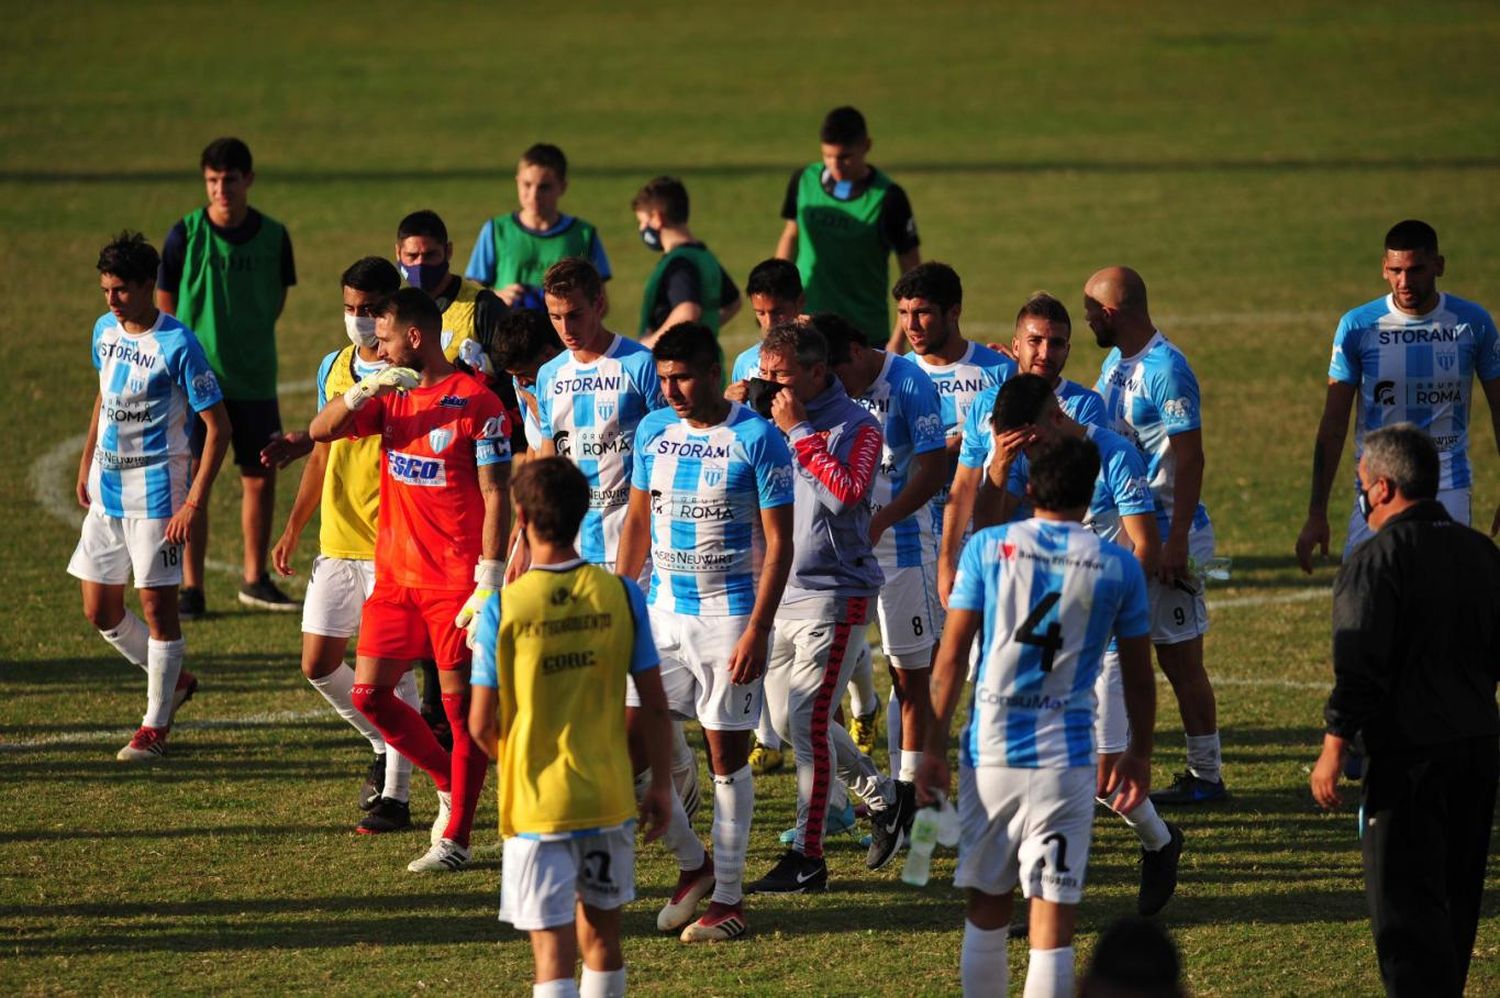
x=606, y=410
x=1446, y=360
x=452, y=402
x=712, y=476
x=439, y=439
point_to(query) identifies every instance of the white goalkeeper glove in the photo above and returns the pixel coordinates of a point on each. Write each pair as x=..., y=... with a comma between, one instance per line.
x=489, y=576
x=393, y=378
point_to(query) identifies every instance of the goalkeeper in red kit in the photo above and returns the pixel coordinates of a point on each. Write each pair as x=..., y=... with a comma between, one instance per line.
x=444, y=517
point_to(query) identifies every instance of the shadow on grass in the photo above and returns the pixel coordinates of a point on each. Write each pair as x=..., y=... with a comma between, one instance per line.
x=84, y=672
x=1261, y=571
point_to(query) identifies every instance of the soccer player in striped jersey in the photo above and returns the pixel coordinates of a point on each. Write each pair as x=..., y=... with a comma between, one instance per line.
x=1041, y=343
x=820, y=624
x=136, y=482
x=549, y=708
x=524, y=341
x=590, y=398
x=1408, y=357
x=912, y=468
x=929, y=301
x=341, y=482
x=445, y=445
x=711, y=488
x=1151, y=397
x=775, y=293
x=1026, y=415
x=1044, y=595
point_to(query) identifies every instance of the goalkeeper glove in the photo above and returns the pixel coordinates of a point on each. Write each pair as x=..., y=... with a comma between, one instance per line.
x=398, y=378
x=489, y=576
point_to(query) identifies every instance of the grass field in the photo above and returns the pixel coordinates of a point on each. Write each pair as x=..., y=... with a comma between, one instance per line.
x=1247, y=162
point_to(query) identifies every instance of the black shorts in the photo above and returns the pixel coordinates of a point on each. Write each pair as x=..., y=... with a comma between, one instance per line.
x=252, y=424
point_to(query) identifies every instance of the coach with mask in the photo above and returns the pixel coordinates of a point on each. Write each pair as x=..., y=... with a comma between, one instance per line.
x=1416, y=611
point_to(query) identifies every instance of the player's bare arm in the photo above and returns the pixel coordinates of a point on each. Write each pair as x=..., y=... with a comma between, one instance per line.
x=494, y=488
x=786, y=245
x=1187, y=455
x=166, y=301
x=961, y=497
x=81, y=489
x=687, y=311
x=1325, y=775
x=215, y=445
x=285, y=448
x=484, y=724
x=1131, y=776
x=653, y=724
x=927, y=473
x=635, y=535
x=729, y=311
x=309, y=495
x=748, y=661
x=948, y=672
x=1328, y=447
x=1145, y=539
x=336, y=419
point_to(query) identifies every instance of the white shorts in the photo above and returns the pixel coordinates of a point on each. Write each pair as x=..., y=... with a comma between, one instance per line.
x=113, y=549
x=1178, y=611
x=1026, y=826
x=695, y=655
x=541, y=882
x=1111, y=723
x=908, y=625
x=1456, y=501
x=336, y=592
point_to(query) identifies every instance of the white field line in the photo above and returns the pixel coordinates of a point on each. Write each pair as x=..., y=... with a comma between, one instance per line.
x=268, y=719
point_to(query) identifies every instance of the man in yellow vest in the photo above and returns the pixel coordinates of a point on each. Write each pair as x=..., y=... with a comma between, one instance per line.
x=342, y=480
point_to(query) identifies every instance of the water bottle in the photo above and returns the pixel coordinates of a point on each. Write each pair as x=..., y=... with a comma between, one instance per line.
x=1215, y=568
x=924, y=835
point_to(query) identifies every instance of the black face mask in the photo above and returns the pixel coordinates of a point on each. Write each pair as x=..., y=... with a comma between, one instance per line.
x=1362, y=500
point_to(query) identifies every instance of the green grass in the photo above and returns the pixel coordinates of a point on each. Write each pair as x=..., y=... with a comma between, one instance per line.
x=1247, y=162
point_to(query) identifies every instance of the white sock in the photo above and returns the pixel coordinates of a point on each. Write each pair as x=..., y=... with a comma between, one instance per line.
x=862, y=687
x=1204, y=759
x=893, y=730
x=563, y=987
x=734, y=801
x=129, y=638
x=602, y=983
x=163, y=666
x=981, y=961
x=684, y=768
x=765, y=733
x=679, y=837
x=398, y=766
x=1050, y=973
x=910, y=760
x=1148, y=826
x=338, y=689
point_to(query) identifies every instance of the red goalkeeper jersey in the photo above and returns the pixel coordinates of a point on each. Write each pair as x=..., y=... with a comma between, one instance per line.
x=433, y=441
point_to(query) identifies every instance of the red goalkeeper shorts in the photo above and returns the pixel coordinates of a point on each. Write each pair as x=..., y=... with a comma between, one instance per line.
x=403, y=623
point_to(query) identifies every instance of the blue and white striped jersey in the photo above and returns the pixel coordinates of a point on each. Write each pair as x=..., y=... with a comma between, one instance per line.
x=1121, y=489
x=1418, y=369
x=1052, y=594
x=707, y=487
x=958, y=384
x=1078, y=403
x=747, y=364
x=906, y=402
x=590, y=412
x=150, y=385
x=1149, y=398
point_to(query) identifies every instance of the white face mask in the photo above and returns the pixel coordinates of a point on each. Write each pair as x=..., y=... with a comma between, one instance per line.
x=361, y=330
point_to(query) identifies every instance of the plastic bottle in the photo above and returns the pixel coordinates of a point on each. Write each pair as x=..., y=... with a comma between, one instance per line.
x=924, y=835
x=1215, y=568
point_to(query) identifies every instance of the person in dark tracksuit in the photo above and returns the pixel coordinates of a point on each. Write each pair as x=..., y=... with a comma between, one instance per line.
x=1416, y=656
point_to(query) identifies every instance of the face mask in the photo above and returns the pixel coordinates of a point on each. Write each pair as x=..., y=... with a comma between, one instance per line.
x=652, y=238
x=361, y=330
x=1362, y=500
x=427, y=276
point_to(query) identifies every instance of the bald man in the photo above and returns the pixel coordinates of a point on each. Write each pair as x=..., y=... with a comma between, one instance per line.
x=1151, y=397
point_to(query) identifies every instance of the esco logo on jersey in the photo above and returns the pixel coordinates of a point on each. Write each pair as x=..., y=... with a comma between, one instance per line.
x=410, y=469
